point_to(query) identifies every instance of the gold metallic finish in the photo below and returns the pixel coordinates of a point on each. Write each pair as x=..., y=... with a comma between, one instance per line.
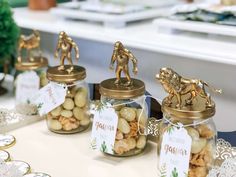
x=78, y=73
x=109, y=89
x=29, y=42
x=187, y=97
x=39, y=62
x=122, y=56
x=65, y=44
x=66, y=73
x=9, y=143
x=122, y=88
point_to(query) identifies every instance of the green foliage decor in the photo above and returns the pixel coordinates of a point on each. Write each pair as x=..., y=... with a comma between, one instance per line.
x=9, y=32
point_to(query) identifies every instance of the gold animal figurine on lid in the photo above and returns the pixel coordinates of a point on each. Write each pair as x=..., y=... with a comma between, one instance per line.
x=31, y=61
x=184, y=89
x=122, y=87
x=65, y=45
x=66, y=73
x=122, y=56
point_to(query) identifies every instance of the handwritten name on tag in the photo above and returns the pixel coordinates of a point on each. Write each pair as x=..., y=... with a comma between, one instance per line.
x=104, y=130
x=175, y=152
x=27, y=84
x=50, y=97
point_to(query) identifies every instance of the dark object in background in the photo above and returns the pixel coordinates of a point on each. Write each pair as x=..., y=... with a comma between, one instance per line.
x=41, y=4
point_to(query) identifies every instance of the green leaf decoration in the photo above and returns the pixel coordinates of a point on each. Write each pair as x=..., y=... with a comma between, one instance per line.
x=163, y=170
x=9, y=32
x=39, y=106
x=174, y=173
x=94, y=144
x=170, y=129
x=103, y=147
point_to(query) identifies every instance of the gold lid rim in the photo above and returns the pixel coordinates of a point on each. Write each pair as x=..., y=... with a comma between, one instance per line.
x=53, y=74
x=109, y=89
x=188, y=114
x=39, y=62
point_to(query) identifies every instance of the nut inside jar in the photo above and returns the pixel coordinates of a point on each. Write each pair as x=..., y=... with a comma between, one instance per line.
x=130, y=138
x=72, y=116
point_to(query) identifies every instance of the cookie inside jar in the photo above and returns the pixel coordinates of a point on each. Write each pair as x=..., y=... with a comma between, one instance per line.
x=72, y=116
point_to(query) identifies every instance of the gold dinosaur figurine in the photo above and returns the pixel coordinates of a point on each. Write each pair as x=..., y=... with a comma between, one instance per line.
x=178, y=86
x=28, y=42
x=65, y=45
x=122, y=56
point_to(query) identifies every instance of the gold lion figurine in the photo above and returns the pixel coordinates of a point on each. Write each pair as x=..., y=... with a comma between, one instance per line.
x=122, y=56
x=178, y=86
x=65, y=45
x=28, y=42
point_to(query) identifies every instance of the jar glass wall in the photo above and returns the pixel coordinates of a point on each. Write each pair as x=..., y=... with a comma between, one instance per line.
x=132, y=115
x=203, y=147
x=73, y=115
x=23, y=104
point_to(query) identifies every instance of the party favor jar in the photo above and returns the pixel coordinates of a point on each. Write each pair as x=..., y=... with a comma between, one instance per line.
x=120, y=122
x=30, y=73
x=187, y=138
x=71, y=116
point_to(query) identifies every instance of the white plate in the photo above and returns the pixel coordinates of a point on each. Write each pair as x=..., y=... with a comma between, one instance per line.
x=22, y=166
x=6, y=141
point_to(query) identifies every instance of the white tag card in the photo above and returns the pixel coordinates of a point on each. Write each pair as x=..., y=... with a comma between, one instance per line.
x=27, y=84
x=175, y=152
x=49, y=97
x=104, y=129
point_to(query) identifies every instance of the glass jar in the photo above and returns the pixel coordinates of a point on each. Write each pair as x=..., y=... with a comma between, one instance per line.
x=132, y=112
x=29, y=77
x=73, y=115
x=187, y=134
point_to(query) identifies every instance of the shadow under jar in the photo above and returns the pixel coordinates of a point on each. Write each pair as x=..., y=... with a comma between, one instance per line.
x=131, y=109
x=73, y=115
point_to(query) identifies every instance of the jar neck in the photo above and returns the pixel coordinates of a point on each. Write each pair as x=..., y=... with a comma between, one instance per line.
x=175, y=121
x=79, y=82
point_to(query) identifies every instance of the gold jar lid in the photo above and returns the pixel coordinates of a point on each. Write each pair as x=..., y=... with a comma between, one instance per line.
x=109, y=89
x=197, y=110
x=187, y=97
x=38, y=62
x=54, y=74
x=122, y=88
x=66, y=73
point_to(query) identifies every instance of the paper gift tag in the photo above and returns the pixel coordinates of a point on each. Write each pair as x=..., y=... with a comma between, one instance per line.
x=104, y=129
x=50, y=97
x=175, y=152
x=27, y=84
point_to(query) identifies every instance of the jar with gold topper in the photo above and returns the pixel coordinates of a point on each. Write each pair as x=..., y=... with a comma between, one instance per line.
x=72, y=116
x=126, y=96
x=30, y=73
x=187, y=135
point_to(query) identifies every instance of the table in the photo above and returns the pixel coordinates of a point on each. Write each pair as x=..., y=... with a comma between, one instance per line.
x=71, y=155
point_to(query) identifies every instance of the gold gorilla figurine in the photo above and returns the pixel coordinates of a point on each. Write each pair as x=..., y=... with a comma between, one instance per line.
x=179, y=86
x=122, y=56
x=66, y=44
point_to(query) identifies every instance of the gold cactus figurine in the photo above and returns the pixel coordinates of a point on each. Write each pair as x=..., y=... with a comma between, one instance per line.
x=177, y=86
x=122, y=56
x=65, y=45
x=28, y=42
